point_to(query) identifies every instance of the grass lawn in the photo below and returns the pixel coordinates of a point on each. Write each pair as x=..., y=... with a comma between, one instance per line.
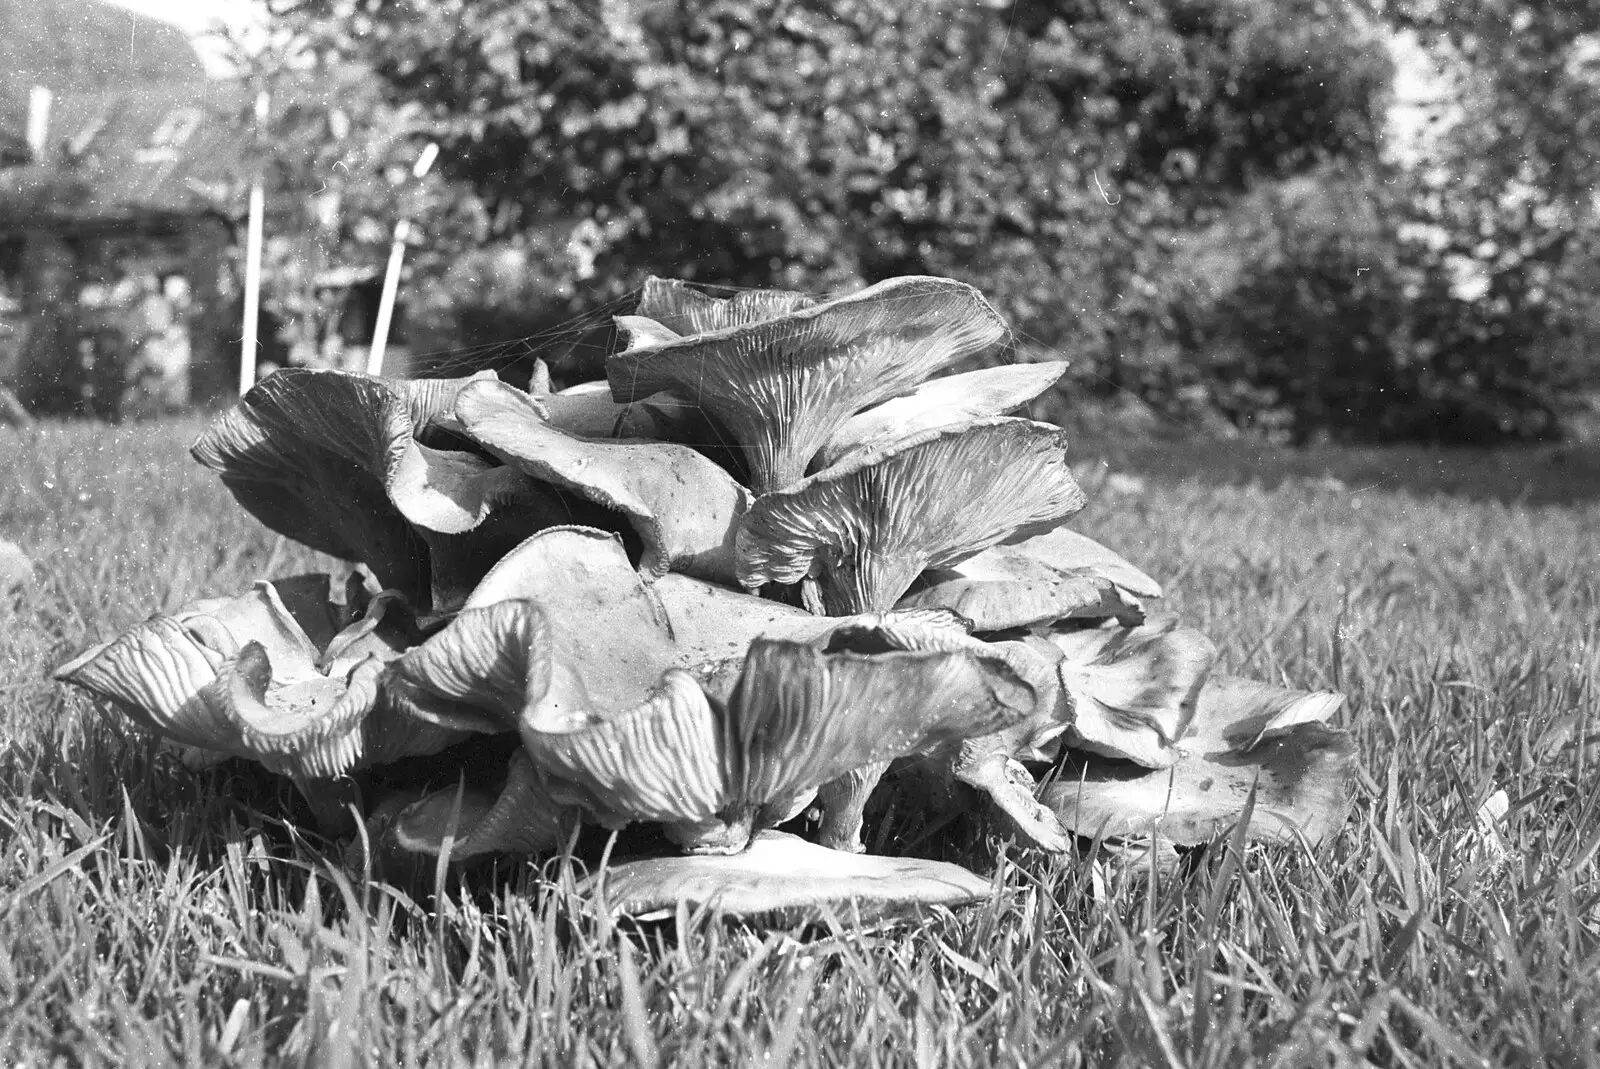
x=152, y=916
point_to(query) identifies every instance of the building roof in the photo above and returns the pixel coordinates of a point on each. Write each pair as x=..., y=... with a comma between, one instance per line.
x=134, y=125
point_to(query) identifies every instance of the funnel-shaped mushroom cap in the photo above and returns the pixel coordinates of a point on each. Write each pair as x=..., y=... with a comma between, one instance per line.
x=797, y=717
x=560, y=632
x=239, y=676
x=563, y=631
x=866, y=528
x=1133, y=689
x=684, y=508
x=682, y=309
x=331, y=459
x=783, y=383
x=785, y=878
x=990, y=391
x=1011, y=586
x=1245, y=735
x=433, y=401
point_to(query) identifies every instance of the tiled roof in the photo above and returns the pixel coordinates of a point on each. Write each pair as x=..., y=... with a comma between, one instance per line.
x=132, y=115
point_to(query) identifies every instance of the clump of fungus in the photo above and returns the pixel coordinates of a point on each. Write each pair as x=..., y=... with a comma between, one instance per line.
x=716, y=597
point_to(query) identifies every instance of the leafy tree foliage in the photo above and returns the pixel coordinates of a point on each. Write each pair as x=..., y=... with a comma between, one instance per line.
x=1504, y=208
x=1047, y=151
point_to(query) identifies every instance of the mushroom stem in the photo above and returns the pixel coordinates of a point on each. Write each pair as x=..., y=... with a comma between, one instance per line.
x=843, y=802
x=721, y=835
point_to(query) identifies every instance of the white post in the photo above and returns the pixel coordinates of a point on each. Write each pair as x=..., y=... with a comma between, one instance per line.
x=391, y=277
x=39, y=101
x=252, y=265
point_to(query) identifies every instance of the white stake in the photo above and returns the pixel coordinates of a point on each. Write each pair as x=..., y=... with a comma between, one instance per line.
x=391, y=277
x=252, y=267
x=39, y=100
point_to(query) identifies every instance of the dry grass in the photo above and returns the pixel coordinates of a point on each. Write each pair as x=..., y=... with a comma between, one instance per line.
x=151, y=916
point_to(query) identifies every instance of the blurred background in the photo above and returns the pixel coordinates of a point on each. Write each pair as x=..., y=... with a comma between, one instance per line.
x=1303, y=220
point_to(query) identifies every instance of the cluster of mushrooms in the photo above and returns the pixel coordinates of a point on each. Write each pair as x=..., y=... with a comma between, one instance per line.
x=770, y=561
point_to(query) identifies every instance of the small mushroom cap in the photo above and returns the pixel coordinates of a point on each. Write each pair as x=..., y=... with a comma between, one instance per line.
x=588, y=411
x=784, y=876
x=866, y=528
x=640, y=332
x=684, y=508
x=782, y=374
x=333, y=460
x=1004, y=588
x=990, y=391
x=1067, y=549
x=659, y=761
x=1245, y=735
x=1133, y=689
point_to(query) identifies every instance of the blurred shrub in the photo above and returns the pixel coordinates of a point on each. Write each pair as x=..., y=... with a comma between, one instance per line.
x=1184, y=197
x=1331, y=314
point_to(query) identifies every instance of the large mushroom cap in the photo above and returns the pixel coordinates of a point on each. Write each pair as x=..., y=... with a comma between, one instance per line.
x=788, y=879
x=682, y=309
x=943, y=402
x=797, y=718
x=560, y=633
x=866, y=528
x=563, y=632
x=683, y=507
x=1244, y=736
x=238, y=676
x=333, y=460
x=783, y=374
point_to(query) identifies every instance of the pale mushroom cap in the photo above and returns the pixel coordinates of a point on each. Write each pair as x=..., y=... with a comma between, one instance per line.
x=796, y=718
x=238, y=676
x=1066, y=549
x=783, y=380
x=1245, y=736
x=308, y=454
x=605, y=639
x=713, y=623
x=679, y=307
x=990, y=391
x=1005, y=587
x=868, y=527
x=784, y=875
x=158, y=673
x=1133, y=689
x=684, y=508
x=332, y=460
